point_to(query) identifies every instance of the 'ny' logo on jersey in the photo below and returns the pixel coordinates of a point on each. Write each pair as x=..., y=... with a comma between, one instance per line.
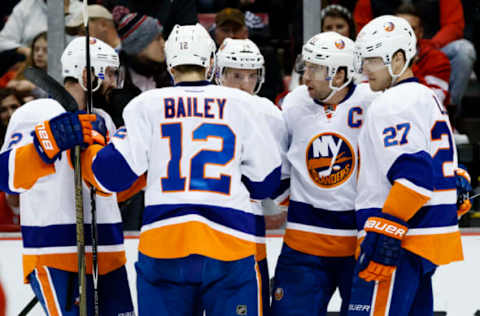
x=330, y=160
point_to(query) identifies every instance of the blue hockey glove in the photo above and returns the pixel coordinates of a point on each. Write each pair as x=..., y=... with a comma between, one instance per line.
x=463, y=191
x=63, y=132
x=381, y=249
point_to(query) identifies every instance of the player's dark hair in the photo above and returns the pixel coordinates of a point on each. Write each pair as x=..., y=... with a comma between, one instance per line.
x=190, y=68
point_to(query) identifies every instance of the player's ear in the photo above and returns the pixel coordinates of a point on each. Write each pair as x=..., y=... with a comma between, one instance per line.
x=398, y=61
x=340, y=77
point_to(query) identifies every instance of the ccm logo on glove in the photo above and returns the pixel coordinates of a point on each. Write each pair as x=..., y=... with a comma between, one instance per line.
x=383, y=226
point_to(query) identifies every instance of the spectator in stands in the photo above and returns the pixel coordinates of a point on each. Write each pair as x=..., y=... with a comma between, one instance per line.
x=169, y=13
x=9, y=102
x=142, y=57
x=38, y=59
x=443, y=22
x=229, y=22
x=28, y=18
x=431, y=66
x=101, y=25
x=9, y=212
x=338, y=19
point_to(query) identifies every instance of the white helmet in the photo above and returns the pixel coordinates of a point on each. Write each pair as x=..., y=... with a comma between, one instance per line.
x=240, y=54
x=332, y=50
x=74, y=61
x=383, y=37
x=190, y=45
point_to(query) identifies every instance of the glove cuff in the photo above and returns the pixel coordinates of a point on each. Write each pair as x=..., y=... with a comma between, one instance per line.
x=41, y=150
x=386, y=224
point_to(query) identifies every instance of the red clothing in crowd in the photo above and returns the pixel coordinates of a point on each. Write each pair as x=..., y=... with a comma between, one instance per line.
x=9, y=221
x=432, y=68
x=451, y=20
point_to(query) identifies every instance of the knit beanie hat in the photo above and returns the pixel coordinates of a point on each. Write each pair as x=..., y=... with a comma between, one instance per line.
x=135, y=30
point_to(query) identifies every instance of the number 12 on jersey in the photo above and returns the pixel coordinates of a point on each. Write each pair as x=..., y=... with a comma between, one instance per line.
x=175, y=182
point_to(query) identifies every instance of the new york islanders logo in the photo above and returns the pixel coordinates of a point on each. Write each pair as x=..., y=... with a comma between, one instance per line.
x=389, y=26
x=339, y=43
x=330, y=160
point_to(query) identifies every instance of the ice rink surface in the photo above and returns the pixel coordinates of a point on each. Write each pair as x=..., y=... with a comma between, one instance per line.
x=456, y=286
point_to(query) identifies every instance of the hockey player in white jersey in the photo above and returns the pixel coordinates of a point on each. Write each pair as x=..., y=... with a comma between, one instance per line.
x=43, y=176
x=241, y=65
x=323, y=118
x=205, y=155
x=406, y=204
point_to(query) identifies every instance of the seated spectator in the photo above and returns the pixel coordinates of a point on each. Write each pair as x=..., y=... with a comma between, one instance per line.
x=336, y=18
x=38, y=59
x=167, y=12
x=10, y=101
x=431, y=66
x=101, y=25
x=229, y=22
x=9, y=212
x=142, y=58
x=443, y=22
x=28, y=18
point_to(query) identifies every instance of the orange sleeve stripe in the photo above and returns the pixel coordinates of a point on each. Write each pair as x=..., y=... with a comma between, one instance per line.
x=29, y=167
x=138, y=185
x=403, y=202
x=86, y=161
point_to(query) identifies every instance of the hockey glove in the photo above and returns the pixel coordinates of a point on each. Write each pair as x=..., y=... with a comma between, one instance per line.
x=381, y=249
x=99, y=131
x=463, y=189
x=63, y=132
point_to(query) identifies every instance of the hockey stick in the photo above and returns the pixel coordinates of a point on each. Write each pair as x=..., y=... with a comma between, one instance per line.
x=58, y=92
x=94, y=228
x=55, y=90
x=29, y=306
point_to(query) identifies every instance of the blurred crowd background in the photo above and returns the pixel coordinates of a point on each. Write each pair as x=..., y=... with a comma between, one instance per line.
x=448, y=34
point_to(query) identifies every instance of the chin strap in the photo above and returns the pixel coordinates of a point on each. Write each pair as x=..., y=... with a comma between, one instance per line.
x=99, y=83
x=395, y=77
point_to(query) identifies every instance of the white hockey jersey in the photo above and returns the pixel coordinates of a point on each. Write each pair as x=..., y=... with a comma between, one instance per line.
x=47, y=205
x=206, y=154
x=407, y=141
x=321, y=162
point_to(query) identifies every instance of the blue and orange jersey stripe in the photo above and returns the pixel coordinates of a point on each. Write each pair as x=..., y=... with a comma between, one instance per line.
x=216, y=232
x=320, y=232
